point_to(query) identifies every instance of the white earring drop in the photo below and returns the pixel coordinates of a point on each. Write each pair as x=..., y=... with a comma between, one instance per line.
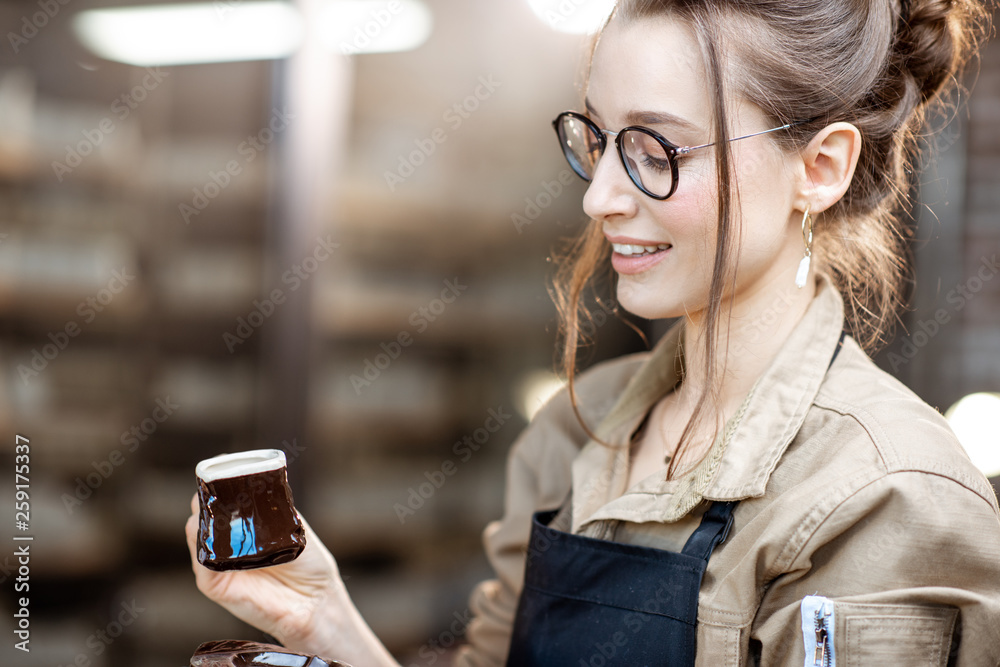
x=807, y=238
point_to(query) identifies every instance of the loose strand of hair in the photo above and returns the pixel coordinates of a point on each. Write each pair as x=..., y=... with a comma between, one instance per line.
x=709, y=396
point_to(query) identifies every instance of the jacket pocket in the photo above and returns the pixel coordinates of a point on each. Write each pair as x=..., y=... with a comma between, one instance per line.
x=721, y=646
x=906, y=635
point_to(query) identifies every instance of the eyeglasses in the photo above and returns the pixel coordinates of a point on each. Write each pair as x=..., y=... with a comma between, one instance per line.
x=649, y=159
x=238, y=653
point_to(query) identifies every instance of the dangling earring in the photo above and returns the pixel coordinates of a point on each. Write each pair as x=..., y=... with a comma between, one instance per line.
x=807, y=238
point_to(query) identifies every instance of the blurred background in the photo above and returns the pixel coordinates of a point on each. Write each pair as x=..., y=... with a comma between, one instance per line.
x=326, y=229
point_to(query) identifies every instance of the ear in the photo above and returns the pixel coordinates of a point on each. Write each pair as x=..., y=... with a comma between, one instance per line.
x=828, y=164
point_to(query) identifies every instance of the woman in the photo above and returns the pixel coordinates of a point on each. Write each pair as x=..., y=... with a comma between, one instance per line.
x=753, y=490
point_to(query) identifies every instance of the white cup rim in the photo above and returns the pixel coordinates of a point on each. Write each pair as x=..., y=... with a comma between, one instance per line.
x=239, y=464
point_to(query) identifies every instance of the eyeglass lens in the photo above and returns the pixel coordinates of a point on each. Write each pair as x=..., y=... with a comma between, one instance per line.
x=580, y=145
x=646, y=160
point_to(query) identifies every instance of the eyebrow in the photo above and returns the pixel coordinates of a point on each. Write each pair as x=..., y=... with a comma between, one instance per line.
x=634, y=117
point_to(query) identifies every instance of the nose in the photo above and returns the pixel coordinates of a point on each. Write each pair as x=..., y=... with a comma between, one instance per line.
x=611, y=192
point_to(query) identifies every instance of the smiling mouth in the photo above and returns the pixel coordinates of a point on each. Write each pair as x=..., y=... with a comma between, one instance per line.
x=629, y=250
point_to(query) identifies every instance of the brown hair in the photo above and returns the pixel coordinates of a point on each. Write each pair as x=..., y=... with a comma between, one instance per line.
x=881, y=65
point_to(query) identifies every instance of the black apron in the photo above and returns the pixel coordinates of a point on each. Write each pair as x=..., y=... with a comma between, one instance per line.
x=595, y=603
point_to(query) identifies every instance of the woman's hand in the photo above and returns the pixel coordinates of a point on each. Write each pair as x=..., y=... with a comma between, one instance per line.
x=284, y=600
x=304, y=603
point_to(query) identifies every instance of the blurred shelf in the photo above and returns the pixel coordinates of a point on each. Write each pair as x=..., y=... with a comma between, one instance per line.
x=73, y=282
x=159, y=504
x=409, y=398
x=17, y=165
x=396, y=509
x=451, y=310
x=214, y=282
x=177, y=617
x=55, y=643
x=407, y=608
x=71, y=441
x=204, y=172
x=209, y=394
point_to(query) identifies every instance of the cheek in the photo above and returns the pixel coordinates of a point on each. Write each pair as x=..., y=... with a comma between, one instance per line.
x=691, y=214
x=765, y=183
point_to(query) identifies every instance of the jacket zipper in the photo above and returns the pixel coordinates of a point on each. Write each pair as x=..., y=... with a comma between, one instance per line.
x=823, y=655
x=818, y=631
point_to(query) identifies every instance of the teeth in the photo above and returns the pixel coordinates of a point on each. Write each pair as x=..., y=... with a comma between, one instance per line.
x=628, y=249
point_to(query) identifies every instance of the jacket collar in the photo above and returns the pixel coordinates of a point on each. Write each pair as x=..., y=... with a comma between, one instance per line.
x=744, y=455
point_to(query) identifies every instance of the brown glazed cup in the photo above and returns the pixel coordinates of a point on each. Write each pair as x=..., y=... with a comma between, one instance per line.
x=237, y=653
x=247, y=517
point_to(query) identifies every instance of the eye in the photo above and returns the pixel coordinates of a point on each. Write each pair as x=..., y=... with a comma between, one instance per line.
x=646, y=151
x=656, y=164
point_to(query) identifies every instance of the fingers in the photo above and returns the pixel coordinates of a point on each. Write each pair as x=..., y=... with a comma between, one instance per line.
x=203, y=577
x=312, y=541
x=191, y=533
x=191, y=530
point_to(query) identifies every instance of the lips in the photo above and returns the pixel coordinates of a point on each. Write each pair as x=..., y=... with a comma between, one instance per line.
x=633, y=250
x=633, y=256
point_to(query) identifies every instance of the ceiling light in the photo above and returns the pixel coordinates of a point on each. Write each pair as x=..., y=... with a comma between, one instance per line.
x=573, y=16
x=974, y=420
x=375, y=26
x=182, y=34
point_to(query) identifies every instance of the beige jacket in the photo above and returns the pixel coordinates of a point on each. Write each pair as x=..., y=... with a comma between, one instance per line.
x=850, y=487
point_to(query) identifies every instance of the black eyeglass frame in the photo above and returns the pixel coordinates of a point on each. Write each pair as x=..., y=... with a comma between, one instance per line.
x=672, y=150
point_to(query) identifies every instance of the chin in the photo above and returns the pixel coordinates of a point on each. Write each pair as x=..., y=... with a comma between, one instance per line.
x=648, y=304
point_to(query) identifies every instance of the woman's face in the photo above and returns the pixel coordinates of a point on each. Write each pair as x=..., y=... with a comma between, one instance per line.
x=650, y=73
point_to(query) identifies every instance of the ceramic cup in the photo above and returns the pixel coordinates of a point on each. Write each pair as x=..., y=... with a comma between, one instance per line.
x=247, y=517
x=238, y=653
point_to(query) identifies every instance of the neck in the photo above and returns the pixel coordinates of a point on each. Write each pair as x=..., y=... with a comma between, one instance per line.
x=753, y=326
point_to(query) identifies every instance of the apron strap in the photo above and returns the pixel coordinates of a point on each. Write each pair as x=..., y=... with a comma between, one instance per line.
x=713, y=530
x=840, y=344
x=718, y=519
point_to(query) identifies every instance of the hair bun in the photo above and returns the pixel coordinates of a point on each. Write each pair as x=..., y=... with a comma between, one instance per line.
x=930, y=41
